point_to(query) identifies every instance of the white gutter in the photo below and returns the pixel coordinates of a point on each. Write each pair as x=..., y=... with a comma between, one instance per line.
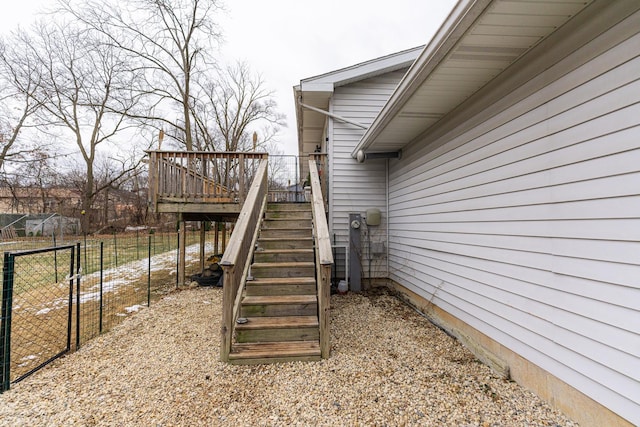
x=333, y=116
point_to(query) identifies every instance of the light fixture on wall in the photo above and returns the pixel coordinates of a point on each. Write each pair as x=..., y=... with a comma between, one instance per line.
x=362, y=156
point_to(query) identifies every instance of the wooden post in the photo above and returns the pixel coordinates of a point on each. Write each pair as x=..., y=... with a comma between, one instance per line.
x=242, y=191
x=182, y=249
x=228, y=298
x=325, y=306
x=154, y=181
x=203, y=236
x=216, y=235
x=224, y=236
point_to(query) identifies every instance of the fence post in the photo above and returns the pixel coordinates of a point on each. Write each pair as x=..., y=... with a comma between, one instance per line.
x=101, y=284
x=177, y=262
x=149, y=276
x=55, y=256
x=78, y=271
x=203, y=236
x=5, y=326
x=115, y=247
x=70, y=304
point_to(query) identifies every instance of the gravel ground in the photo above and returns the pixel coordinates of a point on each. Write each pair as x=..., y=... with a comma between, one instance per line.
x=389, y=366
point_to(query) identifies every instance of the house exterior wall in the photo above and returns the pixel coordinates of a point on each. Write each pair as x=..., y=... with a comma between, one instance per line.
x=522, y=219
x=354, y=188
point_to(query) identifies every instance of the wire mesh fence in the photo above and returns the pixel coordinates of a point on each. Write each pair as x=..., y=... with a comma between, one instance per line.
x=54, y=298
x=36, y=310
x=285, y=182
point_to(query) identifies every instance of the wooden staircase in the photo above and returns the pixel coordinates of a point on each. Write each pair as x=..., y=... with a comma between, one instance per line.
x=278, y=319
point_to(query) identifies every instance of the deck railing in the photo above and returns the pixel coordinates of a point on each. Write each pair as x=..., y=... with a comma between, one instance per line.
x=236, y=260
x=200, y=176
x=324, y=257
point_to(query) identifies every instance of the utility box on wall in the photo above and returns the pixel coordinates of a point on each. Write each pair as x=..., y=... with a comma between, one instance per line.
x=373, y=217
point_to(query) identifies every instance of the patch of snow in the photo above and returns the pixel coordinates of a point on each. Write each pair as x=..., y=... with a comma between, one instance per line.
x=138, y=228
x=124, y=275
x=43, y=311
x=133, y=308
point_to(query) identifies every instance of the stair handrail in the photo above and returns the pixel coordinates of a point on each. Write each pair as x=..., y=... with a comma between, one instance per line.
x=324, y=258
x=236, y=260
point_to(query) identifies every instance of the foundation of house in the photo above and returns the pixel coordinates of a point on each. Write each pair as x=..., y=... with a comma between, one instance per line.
x=505, y=362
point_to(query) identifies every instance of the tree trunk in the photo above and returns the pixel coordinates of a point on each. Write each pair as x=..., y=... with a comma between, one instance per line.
x=87, y=201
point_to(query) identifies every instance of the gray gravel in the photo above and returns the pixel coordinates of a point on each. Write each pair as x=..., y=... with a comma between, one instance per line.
x=389, y=366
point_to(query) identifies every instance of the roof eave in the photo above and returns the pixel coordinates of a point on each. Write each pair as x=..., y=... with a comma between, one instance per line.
x=457, y=23
x=321, y=87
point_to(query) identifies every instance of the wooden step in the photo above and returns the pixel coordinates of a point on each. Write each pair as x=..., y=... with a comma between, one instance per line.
x=274, y=352
x=284, y=243
x=285, y=232
x=279, y=223
x=288, y=215
x=281, y=207
x=261, y=270
x=281, y=286
x=279, y=305
x=285, y=328
x=284, y=255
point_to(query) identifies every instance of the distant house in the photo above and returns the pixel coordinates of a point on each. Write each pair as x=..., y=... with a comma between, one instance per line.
x=111, y=206
x=34, y=200
x=504, y=160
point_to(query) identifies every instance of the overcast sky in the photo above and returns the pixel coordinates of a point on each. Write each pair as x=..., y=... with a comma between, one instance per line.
x=289, y=40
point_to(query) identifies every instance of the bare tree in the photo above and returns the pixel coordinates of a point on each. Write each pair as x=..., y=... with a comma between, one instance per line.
x=230, y=105
x=86, y=90
x=19, y=80
x=172, y=42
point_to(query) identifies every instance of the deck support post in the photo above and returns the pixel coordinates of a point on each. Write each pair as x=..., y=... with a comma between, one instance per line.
x=224, y=236
x=216, y=238
x=203, y=236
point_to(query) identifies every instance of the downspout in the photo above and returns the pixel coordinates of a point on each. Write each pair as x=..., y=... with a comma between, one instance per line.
x=332, y=115
x=387, y=197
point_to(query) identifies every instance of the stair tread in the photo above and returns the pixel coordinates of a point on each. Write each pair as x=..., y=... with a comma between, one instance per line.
x=289, y=229
x=280, y=322
x=278, y=299
x=283, y=281
x=289, y=218
x=291, y=264
x=274, y=349
x=285, y=251
x=271, y=239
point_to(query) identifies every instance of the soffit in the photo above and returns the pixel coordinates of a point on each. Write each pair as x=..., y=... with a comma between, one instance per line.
x=478, y=42
x=317, y=91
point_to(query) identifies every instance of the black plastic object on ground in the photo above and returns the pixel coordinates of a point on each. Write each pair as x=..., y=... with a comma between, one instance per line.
x=211, y=276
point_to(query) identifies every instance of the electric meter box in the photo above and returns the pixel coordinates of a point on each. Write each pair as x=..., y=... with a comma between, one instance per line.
x=373, y=216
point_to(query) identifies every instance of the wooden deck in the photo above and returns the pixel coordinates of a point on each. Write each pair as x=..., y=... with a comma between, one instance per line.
x=201, y=186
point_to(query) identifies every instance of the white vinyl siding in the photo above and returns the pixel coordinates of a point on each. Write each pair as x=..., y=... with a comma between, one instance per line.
x=526, y=226
x=355, y=187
